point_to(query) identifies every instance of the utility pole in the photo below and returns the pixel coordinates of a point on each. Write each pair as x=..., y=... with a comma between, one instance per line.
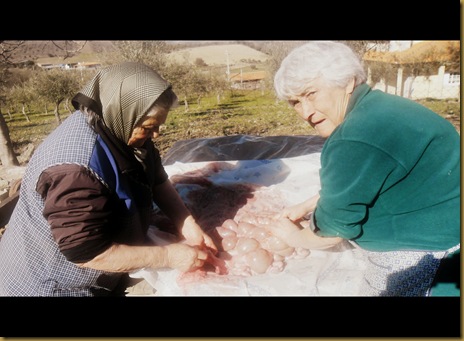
x=228, y=65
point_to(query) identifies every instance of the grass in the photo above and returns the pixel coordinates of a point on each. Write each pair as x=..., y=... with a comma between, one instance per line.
x=23, y=133
x=238, y=112
x=444, y=107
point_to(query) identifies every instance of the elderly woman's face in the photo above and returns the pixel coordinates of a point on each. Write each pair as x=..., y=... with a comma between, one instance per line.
x=323, y=106
x=148, y=128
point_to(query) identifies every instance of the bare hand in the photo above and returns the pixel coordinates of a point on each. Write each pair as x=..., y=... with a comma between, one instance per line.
x=294, y=213
x=283, y=228
x=194, y=235
x=297, y=212
x=184, y=257
x=299, y=235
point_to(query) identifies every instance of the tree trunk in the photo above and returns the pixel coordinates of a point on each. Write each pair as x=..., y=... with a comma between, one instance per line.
x=186, y=106
x=7, y=155
x=57, y=114
x=24, y=113
x=66, y=104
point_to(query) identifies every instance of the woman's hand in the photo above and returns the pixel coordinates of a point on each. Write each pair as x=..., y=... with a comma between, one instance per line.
x=297, y=212
x=184, y=257
x=170, y=202
x=194, y=235
x=297, y=235
x=283, y=228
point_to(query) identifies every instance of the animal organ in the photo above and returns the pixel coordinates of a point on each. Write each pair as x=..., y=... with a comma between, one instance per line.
x=248, y=249
x=237, y=216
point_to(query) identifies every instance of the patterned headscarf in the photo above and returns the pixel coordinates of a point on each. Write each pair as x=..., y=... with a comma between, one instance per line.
x=122, y=94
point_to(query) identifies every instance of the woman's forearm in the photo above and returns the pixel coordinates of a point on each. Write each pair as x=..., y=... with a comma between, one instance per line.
x=125, y=258
x=169, y=201
x=307, y=239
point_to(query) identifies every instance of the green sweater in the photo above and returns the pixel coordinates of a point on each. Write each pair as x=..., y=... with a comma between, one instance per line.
x=390, y=176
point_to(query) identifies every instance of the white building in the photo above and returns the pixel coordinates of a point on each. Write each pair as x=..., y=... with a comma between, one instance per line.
x=417, y=69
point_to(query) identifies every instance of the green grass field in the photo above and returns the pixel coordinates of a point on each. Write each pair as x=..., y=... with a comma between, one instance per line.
x=239, y=112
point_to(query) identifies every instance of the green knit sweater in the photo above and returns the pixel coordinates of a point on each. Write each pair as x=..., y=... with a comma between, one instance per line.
x=390, y=176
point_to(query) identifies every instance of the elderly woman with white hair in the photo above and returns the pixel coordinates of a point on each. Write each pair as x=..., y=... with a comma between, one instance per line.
x=390, y=174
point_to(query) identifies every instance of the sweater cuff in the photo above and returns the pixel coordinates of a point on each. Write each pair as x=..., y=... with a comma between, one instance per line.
x=312, y=223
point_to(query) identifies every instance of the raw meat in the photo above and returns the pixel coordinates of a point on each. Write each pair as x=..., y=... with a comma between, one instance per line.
x=252, y=249
x=236, y=216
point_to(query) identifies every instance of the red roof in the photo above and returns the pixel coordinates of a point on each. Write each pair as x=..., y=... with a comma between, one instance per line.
x=248, y=76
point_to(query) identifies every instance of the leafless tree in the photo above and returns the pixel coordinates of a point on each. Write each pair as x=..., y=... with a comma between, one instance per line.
x=56, y=86
x=7, y=155
x=7, y=50
x=69, y=47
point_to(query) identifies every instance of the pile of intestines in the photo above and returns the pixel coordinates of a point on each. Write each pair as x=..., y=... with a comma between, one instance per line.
x=248, y=248
x=236, y=216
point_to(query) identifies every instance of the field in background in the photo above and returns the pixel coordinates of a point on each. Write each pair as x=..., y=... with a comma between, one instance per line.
x=239, y=112
x=236, y=55
x=215, y=55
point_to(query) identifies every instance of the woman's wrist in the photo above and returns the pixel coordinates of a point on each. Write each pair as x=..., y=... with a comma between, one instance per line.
x=159, y=257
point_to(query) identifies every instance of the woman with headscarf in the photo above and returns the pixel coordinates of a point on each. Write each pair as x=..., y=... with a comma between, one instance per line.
x=88, y=194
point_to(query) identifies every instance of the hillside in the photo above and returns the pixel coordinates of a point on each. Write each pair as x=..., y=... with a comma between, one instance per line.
x=236, y=55
x=46, y=49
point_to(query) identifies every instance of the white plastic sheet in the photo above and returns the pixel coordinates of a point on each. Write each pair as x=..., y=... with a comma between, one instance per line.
x=333, y=272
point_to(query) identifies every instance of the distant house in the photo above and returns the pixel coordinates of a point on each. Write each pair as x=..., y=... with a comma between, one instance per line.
x=427, y=69
x=70, y=66
x=248, y=80
x=88, y=65
x=49, y=66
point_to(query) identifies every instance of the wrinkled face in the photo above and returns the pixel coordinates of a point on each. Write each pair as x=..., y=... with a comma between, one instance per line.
x=148, y=127
x=323, y=106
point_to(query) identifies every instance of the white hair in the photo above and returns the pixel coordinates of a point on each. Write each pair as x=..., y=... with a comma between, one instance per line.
x=334, y=62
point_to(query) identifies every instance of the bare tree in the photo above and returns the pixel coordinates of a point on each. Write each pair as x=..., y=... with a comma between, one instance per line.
x=278, y=50
x=6, y=51
x=69, y=47
x=186, y=79
x=21, y=93
x=150, y=52
x=7, y=155
x=56, y=86
x=363, y=46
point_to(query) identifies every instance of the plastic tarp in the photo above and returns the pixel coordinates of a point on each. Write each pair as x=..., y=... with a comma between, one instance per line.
x=283, y=169
x=242, y=147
